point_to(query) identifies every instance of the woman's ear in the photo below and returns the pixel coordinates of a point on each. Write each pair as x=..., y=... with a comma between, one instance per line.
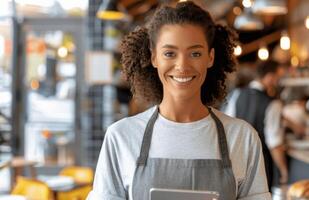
x=153, y=59
x=211, y=57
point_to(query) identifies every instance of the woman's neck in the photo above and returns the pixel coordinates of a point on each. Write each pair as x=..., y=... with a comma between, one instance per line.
x=183, y=110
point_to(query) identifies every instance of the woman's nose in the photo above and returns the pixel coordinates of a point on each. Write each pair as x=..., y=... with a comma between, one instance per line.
x=182, y=63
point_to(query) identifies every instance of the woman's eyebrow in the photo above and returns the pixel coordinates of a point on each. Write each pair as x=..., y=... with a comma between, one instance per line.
x=198, y=46
x=169, y=46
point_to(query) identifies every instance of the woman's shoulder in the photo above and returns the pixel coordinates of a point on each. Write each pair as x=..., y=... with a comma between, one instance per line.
x=236, y=128
x=142, y=117
x=231, y=121
x=130, y=125
x=243, y=141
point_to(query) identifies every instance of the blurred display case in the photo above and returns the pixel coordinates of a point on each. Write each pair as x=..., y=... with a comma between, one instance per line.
x=50, y=143
x=6, y=92
x=6, y=35
x=50, y=84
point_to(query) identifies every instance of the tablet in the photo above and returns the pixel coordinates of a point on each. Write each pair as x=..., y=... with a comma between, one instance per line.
x=175, y=194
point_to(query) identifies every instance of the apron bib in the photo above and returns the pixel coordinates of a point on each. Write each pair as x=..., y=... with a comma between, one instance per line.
x=195, y=174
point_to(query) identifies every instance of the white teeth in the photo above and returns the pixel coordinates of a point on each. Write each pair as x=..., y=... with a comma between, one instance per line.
x=182, y=80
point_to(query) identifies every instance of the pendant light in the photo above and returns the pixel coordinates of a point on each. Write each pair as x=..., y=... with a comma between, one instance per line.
x=263, y=53
x=108, y=10
x=307, y=22
x=248, y=22
x=247, y=3
x=270, y=7
x=237, y=50
x=285, y=42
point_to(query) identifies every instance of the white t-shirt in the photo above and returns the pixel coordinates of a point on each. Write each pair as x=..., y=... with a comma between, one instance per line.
x=296, y=113
x=194, y=140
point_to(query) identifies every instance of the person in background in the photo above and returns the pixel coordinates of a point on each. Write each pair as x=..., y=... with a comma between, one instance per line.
x=295, y=115
x=182, y=142
x=256, y=104
x=243, y=77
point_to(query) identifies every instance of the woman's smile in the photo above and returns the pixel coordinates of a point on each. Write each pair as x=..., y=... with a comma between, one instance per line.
x=182, y=79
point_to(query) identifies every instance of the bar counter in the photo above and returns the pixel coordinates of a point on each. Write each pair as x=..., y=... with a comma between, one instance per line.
x=298, y=158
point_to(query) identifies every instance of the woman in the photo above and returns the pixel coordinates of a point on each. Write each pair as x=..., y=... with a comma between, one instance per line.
x=179, y=60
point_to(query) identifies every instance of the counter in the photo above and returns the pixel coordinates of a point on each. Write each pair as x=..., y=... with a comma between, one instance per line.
x=298, y=158
x=299, y=154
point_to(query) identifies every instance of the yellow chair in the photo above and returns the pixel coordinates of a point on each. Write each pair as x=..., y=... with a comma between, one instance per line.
x=32, y=189
x=81, y=175
x=80, y=193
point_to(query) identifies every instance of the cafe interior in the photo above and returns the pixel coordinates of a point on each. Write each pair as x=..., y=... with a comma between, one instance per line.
x=61, y=84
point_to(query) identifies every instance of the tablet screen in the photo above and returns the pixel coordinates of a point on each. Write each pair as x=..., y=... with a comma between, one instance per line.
x=175, y=194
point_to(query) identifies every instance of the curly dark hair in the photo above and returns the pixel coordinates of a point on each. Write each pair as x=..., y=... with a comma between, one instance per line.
x=136, y=52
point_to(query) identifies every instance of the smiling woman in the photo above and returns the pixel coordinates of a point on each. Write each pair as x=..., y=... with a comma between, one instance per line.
x=182, y=67
x=136, y=53
x=179, y=60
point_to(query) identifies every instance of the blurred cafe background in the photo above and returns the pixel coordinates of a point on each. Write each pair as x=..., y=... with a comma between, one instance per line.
x=61, y=83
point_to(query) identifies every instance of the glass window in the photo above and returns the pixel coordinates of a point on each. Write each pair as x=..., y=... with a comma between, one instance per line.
x=5, y=98
x=50, y=85
x=51, y=7
x=5, y=8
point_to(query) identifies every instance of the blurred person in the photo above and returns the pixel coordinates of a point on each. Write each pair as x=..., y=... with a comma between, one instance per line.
x=295, y=114
x=182, y=142
x=242, y=79
x=256, y=104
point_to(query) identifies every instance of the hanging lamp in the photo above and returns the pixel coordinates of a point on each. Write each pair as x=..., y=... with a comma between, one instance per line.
x=248, y=22
x=109, y=10
x=270, y=7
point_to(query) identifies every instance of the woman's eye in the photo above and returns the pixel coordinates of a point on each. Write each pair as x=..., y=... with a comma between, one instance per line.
x=169, y=54
x=196, y=54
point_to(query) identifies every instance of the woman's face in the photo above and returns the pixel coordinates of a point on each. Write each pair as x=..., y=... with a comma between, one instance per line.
x=182, y=57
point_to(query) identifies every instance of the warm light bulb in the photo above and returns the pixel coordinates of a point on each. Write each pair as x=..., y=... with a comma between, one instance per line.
x=237, y=50
x=285, y=42
x=62, y=52
x=34, y=84
x=237, y=10
x=294, y=61
x=247, y=3
x=263, y=53
x=307, y=22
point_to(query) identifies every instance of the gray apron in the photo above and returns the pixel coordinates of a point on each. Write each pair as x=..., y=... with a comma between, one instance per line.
x=195, y=174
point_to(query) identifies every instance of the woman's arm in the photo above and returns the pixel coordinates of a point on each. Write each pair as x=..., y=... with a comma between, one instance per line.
x=108, y=181
x=254, y=185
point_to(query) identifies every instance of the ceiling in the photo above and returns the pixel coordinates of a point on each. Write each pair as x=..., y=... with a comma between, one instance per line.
x=221, y=10
x=138, y=9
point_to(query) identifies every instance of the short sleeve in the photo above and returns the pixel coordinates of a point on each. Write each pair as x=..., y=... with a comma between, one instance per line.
x=107, y=181
x=254, y=185
x=274, y=135
x=230, y=107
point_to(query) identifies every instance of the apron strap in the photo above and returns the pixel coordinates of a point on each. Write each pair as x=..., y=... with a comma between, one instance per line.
x=142, y=159
x=222, y=140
